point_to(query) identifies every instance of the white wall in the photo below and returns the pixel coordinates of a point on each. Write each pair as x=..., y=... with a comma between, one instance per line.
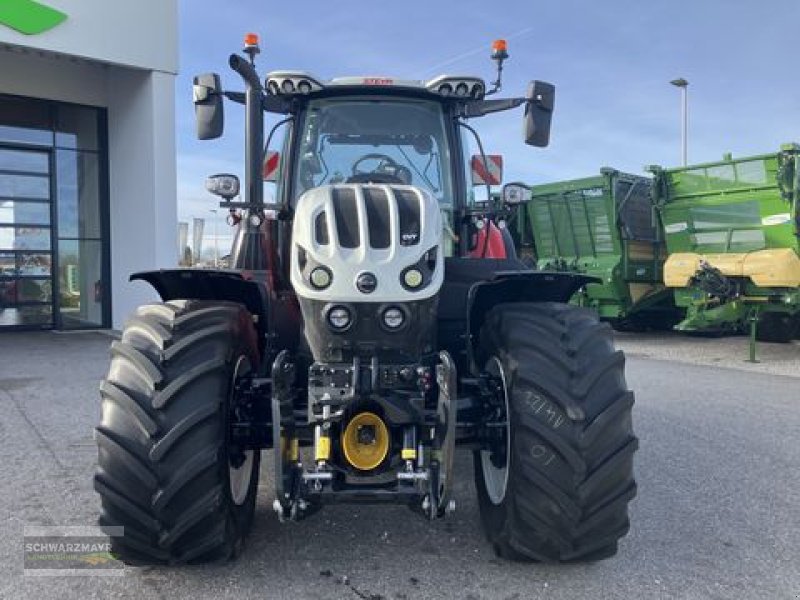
x=133, y=33
x=141, y=131
x=122, y=55
x=144, y=217
x=27, y=73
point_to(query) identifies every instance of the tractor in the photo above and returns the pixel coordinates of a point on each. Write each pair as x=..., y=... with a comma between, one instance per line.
x=372, y=321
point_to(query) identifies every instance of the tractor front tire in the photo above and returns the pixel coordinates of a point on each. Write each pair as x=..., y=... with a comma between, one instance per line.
x=560, y=490
x=167, y=473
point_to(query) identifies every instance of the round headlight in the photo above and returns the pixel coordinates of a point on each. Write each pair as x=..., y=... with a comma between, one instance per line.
x=320, y=278
x=366, y=283
x=413, y=278
x=339, y=318
x=445, y=89
x=393, y=318
x=462, y=89
x=273, y=88
x=287, y=86
x=304, y=87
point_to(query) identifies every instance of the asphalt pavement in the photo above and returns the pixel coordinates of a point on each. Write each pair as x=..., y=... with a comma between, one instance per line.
x=717, y=515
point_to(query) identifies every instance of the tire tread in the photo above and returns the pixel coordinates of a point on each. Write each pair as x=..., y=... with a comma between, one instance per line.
x=568, y=399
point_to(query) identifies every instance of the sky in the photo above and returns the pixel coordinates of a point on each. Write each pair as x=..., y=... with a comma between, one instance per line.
x=610, y=60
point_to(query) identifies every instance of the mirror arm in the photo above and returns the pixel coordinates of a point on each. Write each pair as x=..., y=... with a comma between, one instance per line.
x=271, y=104
x=237, y=97
x=479, y=108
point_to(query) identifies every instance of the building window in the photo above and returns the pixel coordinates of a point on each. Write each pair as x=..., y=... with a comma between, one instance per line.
x=53, y=216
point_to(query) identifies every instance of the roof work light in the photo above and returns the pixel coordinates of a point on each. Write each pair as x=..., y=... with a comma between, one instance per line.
x=499, y=50
x=499, y=54
x=251, y=47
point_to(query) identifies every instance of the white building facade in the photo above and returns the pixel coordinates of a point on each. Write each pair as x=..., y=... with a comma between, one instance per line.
x=87, y=158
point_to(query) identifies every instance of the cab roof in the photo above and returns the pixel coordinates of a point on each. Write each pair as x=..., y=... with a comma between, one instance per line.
x=301, y=83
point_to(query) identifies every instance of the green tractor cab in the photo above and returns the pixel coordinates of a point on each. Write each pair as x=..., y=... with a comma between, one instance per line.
x=606, y=227
x=732, y=233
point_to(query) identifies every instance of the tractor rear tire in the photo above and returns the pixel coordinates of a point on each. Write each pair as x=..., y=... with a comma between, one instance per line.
x=775, y=327
x=569, y=457
x=166, y=471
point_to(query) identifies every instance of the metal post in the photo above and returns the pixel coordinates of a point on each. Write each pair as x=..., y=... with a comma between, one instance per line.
x=684, y=86
x=753, y=318
x=685, y=124
x=213, y=211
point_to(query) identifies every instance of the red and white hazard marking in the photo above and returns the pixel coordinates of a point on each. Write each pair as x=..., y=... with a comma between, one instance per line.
x=271, y=163
x=490, y=172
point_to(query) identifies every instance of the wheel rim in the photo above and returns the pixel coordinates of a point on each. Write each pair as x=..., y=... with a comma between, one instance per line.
x=239, y=477
x=495, y=478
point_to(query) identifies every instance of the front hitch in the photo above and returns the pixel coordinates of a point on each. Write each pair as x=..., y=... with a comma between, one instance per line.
x=287, y=470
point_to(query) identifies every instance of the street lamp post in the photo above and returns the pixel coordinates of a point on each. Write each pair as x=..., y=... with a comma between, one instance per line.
x=684, y=86
x=213, y=211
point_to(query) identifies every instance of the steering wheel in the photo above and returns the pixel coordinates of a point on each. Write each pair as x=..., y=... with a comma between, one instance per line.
x=387, y=171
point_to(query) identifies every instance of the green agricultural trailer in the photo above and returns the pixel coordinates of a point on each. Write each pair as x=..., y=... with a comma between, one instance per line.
x=732, y=233
x=606, y=227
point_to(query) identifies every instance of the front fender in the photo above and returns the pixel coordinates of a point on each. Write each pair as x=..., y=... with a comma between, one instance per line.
x=276, y=316
x=473, y=287
x=519, y=286
x=207, y=284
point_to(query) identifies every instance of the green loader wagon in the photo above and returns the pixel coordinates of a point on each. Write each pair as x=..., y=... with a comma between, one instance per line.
x=604, y=226
x=732, y=233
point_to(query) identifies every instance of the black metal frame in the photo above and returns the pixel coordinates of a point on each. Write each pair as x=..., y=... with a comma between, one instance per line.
x=49, y=151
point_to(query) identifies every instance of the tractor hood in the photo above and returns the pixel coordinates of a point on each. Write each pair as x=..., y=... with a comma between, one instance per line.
x=367, y=243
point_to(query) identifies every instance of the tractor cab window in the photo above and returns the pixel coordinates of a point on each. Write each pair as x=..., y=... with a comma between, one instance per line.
x=476, y=193
x=364, y=139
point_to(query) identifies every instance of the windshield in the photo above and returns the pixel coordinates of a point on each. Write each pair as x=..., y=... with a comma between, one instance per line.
x=361, y=140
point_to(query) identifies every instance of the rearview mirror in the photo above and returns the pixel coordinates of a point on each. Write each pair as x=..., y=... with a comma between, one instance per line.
x=208, y=112
x=515, y=194
x=539, y=113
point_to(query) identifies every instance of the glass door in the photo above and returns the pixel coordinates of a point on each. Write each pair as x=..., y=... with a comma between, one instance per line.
x=26, y=255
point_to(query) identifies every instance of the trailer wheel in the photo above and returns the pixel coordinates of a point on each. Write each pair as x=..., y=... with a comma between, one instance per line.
x=555, y=483
x=776, y=327
x=167, y=472
x=627, y=325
